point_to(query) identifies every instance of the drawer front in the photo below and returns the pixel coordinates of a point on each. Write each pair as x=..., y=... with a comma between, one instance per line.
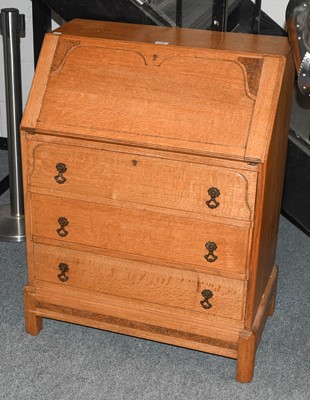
x=141, y=232
x=140, y=281
x=96, y=175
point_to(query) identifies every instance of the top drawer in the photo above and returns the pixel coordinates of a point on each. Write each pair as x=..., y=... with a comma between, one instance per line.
x=101, y=175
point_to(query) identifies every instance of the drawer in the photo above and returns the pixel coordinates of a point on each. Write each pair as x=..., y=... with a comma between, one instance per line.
x=101, y=175
x=140, y=281
x=141, y=232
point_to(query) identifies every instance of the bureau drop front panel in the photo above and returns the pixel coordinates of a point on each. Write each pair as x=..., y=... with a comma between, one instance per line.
x=153, y=163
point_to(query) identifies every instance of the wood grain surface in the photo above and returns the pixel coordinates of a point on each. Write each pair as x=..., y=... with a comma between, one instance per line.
x=144, y=130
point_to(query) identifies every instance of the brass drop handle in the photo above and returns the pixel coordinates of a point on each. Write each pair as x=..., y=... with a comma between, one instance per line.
x=63, y=268
x=61, y=168
x=207, y=294
x=211, y=247
x=213, y=192
x=62, y=232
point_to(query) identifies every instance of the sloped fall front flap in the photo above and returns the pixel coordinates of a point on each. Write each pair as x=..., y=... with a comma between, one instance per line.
x=158, y=96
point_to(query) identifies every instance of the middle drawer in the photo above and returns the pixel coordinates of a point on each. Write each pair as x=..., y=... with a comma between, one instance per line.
x=141, y=233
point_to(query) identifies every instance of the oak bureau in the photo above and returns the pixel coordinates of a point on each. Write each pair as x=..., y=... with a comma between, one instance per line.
x=153, y=162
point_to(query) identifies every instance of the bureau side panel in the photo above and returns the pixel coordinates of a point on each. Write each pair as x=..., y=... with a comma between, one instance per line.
x=38, y=87
x=269, y=198
x=27, y=162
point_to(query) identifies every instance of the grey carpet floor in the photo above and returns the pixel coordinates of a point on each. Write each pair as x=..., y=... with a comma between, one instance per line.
x=71, y=362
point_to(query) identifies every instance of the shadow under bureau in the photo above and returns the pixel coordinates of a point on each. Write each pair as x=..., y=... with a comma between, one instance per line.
x=153, y=164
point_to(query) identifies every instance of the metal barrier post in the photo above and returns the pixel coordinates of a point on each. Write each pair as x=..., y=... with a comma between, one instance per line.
x=12, y=224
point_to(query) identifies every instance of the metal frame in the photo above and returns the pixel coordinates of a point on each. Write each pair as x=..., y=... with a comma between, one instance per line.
x=3, y=143
x=5, y=182
x=4, y=185
x=257, y=16
x=219, y=15
x=179, y=13
x=42, y=23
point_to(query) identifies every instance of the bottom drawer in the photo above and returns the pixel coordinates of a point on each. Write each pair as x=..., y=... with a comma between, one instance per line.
x=140, y=281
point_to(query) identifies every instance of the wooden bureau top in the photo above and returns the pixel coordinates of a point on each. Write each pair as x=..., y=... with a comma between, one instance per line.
x=198, y=92
x=245, y=43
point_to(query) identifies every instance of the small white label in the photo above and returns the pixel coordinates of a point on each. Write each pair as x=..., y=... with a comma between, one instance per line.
x=57, y=33
x=162, y=43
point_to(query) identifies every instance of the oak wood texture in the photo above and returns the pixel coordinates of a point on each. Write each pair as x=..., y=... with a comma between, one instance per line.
x=141, y=281
x=123, y=140
x=150, y=234
x=148, y=180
